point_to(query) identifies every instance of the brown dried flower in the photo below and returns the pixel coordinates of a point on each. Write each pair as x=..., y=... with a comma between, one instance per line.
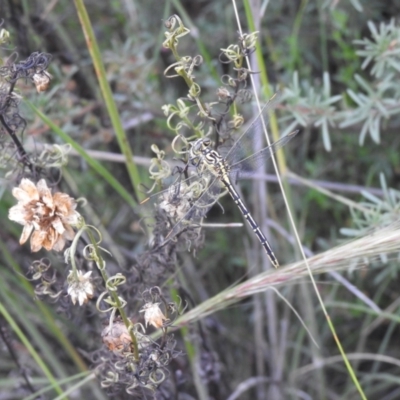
x=49, y=216
x=79, y=286
x=153, y=315
x=41, y=81
x=116, y=336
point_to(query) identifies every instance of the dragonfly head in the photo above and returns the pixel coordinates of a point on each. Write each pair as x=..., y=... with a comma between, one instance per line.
x=200, y=145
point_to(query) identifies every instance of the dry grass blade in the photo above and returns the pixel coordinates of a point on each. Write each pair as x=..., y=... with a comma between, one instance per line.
x=355, y=254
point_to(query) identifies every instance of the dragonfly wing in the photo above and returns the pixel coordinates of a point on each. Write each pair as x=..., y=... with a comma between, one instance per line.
x=198, y=208
x=173, y=187
x=251, y=138
x=185, y=203
x=253, y=162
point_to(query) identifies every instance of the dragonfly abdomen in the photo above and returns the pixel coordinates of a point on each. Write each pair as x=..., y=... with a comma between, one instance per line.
x=253, y=224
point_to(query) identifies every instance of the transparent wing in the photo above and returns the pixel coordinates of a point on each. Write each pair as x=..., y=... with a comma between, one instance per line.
x=172, y=190
x=253, y=162
x=251, y=138
x=186, y=201
x=198, y=210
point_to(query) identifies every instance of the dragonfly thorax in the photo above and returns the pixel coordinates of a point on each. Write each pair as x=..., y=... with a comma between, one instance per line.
x=204, y=156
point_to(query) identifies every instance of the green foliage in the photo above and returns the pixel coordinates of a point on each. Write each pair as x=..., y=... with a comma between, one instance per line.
x=344, y=52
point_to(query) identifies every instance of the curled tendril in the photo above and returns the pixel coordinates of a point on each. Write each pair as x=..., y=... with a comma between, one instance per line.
x=126, y=363
x=181, y=125
x=99, y=300
x=159, y=168
x=206, y=111
x=172, y=21
x=178, y=126
x=110, y=379
x=156, y=380
x=195, y=62
x=172, y=35
x=113, y=305
x=82, y=201
x=91, y=252
x=132, y=388
x=182, y=109
x=182, y=113
x=165, y=358
x=198, y=187
x=185, y=64
x=69, y=254
x=114, y=281
x=194, y=93
x=38, y=268
x=167, y=109
x=234, y=54
x=248, y=42
x=151, y=295
x=236, y=122
x=55, y=156
x=229, y=81
x=100, y=237
x=198, y=128
x=177, y=66
x=45, y=288
x=137, y=328
x=222, y=58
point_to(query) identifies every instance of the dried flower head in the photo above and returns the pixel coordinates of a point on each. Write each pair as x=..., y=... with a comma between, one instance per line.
x=41, y=81
x=79, y=286
x=176, y=205
x=153, y=315
x=223, y=93
x=177, y=199
x=116, y=336
x=49, y=216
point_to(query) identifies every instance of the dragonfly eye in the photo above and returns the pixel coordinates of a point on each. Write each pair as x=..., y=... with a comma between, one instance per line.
x=206, y=142
x=200, y=145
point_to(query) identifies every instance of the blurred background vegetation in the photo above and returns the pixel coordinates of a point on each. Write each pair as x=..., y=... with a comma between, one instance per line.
x=336, y=64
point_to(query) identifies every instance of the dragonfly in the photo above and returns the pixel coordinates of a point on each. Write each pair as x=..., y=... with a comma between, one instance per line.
x=188, y=201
